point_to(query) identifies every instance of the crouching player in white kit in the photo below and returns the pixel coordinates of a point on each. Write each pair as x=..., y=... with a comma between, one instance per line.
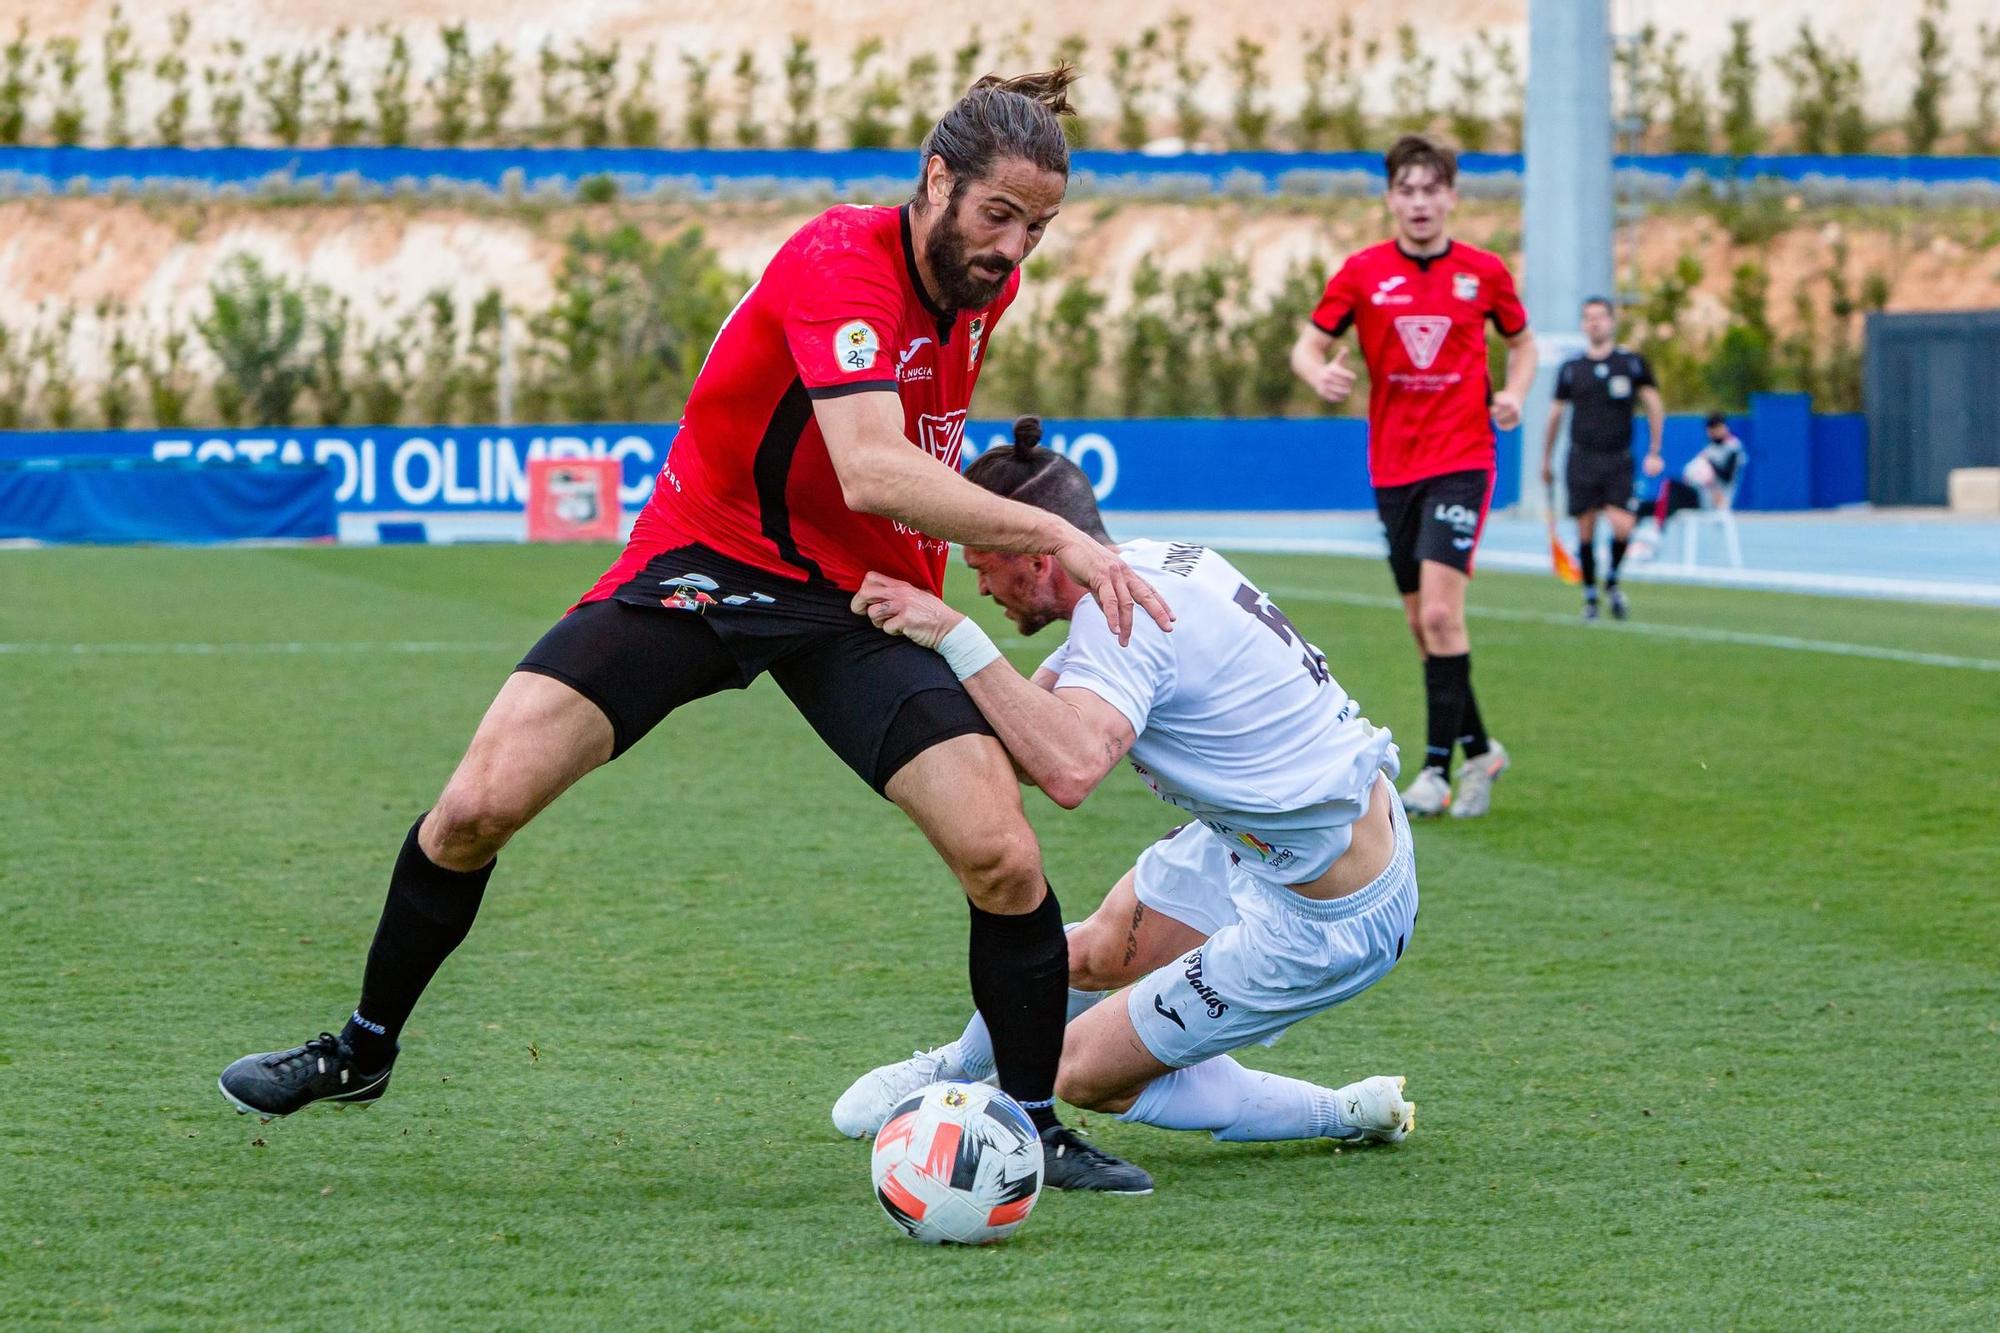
x=1293, y=889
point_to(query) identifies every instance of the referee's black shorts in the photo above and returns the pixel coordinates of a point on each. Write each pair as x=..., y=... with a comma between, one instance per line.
x=1597, y=479
x=693, y=622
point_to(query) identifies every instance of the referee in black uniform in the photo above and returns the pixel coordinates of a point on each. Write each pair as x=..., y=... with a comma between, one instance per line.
x=1601, y=386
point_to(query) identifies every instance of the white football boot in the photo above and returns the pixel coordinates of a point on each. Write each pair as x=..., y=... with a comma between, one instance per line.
x=1428, y=795
x=866, y=1105
x=1375, y=1110
x=1474, y=796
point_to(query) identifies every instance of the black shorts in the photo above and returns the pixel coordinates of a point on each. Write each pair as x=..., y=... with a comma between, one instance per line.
x=693, y=622
x=1597, y=479
x=1437, y=518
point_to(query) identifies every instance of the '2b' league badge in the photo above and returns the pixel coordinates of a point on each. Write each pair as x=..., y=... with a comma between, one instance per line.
x=855, y=345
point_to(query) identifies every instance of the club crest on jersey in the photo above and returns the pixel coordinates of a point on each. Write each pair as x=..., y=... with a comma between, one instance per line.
x=1465, y=286
x=943, y=436
x=1422, y=336
x=973, y=332
x=855, y=345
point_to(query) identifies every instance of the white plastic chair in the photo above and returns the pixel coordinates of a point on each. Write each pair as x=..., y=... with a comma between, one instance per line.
x=1721, y=516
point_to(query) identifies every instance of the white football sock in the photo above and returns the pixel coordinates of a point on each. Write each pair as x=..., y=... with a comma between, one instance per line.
x=1238, y=1105
x=973, y=1051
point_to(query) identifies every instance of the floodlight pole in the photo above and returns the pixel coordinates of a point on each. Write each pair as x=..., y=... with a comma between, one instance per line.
x=1566, y=207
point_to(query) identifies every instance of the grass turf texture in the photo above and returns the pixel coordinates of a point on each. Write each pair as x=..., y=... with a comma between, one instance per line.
x=1703, y=1021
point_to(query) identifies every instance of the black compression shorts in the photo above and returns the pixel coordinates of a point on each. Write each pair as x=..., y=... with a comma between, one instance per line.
x=693, y=622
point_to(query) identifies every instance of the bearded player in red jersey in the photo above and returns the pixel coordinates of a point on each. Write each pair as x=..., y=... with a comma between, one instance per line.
x=1419, y=305
x=821, y=440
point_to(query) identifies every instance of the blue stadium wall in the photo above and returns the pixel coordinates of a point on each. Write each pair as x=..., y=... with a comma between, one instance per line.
x=1798, y=460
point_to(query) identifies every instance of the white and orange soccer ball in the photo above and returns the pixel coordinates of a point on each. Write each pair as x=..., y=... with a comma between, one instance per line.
x=958, y=1164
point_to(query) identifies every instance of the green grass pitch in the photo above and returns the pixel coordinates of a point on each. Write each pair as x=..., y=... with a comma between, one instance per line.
x=1704, y=1021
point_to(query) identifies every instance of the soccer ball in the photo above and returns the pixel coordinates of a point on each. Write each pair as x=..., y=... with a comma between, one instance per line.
x=958, y=1164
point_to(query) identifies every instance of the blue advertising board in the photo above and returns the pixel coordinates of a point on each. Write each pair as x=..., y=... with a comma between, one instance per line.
x=1799, y=460
x=1135, y=463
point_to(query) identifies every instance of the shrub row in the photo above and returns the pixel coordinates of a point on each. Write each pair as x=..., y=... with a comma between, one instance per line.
x=393, y=85
x=632, y=317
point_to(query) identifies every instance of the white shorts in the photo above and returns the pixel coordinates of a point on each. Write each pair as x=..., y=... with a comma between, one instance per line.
x=1272, y=957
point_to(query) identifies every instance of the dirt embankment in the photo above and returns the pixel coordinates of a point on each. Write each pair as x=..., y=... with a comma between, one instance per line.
x=155, y=260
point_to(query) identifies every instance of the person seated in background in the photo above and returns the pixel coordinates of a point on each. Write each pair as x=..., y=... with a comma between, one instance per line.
x=1708, y=481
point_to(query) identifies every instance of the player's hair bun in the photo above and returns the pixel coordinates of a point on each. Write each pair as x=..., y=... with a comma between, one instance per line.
x=1027, y=434
x=1050, y=87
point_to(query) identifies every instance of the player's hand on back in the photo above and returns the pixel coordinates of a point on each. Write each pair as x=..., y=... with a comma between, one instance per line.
x=896, y=607
x=1506, y=410
x=1336, y=380
x=1113, y=585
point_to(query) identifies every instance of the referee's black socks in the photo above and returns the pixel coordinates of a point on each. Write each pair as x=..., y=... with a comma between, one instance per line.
x=429, y=911
x=1020, y=983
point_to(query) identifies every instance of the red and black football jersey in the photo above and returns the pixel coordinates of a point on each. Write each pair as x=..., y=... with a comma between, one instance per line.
x=1422, y=326
x=839, y=310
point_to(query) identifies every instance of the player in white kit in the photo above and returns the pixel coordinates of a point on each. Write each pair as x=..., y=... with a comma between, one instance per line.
x=1292, y=889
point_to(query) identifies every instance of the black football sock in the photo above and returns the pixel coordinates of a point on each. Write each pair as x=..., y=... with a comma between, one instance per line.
x=428, y=913
x=1618, y=548
x=1445, y=683
x=1586, y=560
x=1472, y=727
x=1020, y=982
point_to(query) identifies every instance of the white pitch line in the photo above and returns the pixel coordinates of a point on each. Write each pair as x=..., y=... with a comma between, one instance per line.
x=1690, y=633
x=1660, y=571
x=240, y=649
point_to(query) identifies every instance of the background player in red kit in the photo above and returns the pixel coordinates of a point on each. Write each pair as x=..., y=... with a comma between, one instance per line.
x=821, y=441
x=1419, y=305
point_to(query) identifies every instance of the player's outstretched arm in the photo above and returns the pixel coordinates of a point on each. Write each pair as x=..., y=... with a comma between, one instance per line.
x=880, y=473
x=1063, y=740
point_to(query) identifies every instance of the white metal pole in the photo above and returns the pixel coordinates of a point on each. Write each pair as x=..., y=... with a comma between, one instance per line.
x=1566, y=208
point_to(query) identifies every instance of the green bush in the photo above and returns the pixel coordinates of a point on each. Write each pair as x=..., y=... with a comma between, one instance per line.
x=1924, y=126
x=66, y=117
x=260, y=328
x=1250, y=112
x=17, y=85
x=1189, y=118
x=451, y=88
x=170, y=123
x=117, y=61
x=873, y=96
x=1736, y=82
x=801, y=92
x=1130, y=72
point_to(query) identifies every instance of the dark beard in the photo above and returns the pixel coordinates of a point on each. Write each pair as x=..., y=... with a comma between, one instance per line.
x=945, y=248
x=1032, y=623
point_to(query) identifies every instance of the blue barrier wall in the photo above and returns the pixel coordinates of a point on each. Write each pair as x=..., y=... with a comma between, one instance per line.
x=704, y=171
x=1797, y=460
x=137, y=500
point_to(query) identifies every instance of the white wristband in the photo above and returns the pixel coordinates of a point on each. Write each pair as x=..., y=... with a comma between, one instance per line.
x=966, y=649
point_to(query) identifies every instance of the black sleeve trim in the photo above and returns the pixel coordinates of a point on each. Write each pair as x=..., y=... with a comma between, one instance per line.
x=1502, y=329
x=1346, y=323
x=842, y=390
